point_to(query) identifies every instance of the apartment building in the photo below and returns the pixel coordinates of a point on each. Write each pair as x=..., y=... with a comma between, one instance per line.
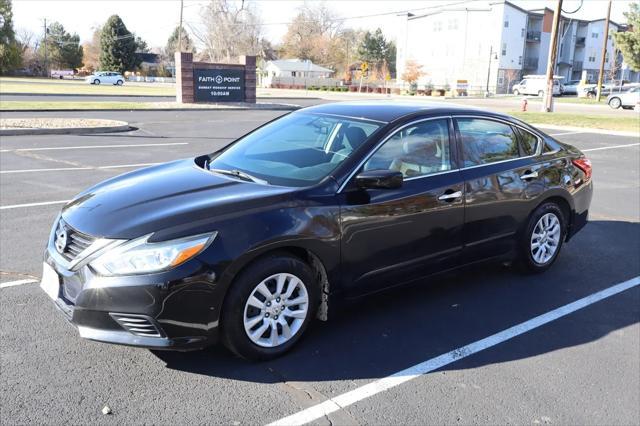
x=495, y=43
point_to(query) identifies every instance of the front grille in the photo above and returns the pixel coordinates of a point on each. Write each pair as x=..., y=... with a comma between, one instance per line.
x=77, y=242
x=140, y=325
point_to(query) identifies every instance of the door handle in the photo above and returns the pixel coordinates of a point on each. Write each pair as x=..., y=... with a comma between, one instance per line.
x=450, y=196
x=529, y=175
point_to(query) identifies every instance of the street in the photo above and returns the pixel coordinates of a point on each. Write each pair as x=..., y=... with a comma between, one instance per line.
x=582, y=368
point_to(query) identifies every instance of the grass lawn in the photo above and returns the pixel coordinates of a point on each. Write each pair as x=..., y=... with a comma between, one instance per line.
x=77, y=87
x=92, y=105
x=629, y=124
x=14, y=105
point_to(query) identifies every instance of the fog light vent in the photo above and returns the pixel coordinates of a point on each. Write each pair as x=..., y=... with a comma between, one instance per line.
x=140, y=325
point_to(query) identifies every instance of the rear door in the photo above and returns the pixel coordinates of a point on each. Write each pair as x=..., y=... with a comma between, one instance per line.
x=390, y=236
x=501, y=181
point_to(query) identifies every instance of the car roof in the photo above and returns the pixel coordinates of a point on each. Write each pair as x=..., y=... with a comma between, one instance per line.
x=387, y=111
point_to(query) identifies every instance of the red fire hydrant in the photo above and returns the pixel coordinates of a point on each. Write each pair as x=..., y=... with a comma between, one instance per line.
x=523, y=104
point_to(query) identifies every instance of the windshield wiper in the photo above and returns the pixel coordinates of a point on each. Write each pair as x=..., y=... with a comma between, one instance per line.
x=240, y=174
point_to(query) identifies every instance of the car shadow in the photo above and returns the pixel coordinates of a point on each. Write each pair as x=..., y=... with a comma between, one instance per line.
x=388, y=332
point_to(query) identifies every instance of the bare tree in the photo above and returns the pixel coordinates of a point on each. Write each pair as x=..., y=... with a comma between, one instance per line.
x=228, y=30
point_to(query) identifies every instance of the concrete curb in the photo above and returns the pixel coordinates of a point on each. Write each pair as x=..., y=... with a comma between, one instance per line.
x=587, y=130
x=66, y=130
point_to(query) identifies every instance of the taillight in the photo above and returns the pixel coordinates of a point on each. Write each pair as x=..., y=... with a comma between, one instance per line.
x=583, y=164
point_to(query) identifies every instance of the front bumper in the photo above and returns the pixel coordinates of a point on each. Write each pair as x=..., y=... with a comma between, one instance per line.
x=179, y=308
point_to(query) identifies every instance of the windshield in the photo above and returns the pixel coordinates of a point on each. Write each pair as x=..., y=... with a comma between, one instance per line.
x=299, y=149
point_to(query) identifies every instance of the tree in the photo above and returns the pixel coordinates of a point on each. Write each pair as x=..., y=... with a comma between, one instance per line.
x=412, y=71
x=629, y=41
x=63, y=49
x=378, y=52
x=118, y=47
x=141, y=45
x=10, y=52
x=173, y=45
x=312, y=34
x=91, y=51
x=229, y=29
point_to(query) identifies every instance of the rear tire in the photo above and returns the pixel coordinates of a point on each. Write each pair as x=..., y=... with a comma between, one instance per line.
x=243, y=315
x=541, y=93
x=541, y=242
x=615, y=103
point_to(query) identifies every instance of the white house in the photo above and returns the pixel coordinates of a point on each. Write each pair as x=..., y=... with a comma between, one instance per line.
x=296, y=68
x=495, y=42
x=294, y=73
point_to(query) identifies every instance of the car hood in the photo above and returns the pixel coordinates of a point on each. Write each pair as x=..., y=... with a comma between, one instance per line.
x=179, y=195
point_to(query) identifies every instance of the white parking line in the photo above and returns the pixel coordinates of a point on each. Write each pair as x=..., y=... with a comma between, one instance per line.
x=55, y=148
x=610, y=147
x=341, y=401
x=566, y=133
x=46, y=203
x=66, y=169
x=18, y=282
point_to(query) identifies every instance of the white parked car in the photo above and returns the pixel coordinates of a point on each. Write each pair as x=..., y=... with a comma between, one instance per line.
x=105, y=77
x=536, y=86
x=626, y=100
x=571, y=87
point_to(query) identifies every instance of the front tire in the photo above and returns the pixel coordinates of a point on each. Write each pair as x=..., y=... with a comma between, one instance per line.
x=96, y=81
x=516, y=92
x=541, y=93
x=543, y=237
x=269, y=306
x=119, y=82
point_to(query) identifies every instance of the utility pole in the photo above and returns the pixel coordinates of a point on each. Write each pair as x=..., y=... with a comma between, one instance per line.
x=489, y=70
x=605, y=39
x=180, y=30
x=547, y=105
x=46, y=68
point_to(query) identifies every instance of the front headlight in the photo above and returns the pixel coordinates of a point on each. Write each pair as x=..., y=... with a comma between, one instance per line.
x=141, y=257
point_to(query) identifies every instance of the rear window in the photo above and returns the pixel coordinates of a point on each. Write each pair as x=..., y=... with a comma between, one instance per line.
x=528, y=142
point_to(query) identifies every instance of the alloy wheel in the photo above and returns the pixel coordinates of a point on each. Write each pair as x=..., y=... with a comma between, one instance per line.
x=545, y=238
x=276, y=310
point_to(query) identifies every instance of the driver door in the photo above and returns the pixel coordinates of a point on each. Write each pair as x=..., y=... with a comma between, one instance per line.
x=391, y=236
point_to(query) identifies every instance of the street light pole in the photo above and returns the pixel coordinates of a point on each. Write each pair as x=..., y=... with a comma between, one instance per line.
x=605, y=39
x=547, y=105
x=489, y=68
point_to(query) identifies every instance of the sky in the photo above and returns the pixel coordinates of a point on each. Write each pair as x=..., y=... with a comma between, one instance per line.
x=153, y=20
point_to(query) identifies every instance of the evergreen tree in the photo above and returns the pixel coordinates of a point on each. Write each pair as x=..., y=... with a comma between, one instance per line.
x=10, y=52
x=629, y=41
x=63, y=49
x=118, y=47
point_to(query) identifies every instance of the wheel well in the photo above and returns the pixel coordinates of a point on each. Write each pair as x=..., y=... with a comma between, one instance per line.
x=314, y=262
x=564, y=206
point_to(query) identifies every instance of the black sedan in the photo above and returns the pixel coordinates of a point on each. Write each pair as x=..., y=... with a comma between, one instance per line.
x=248, y=244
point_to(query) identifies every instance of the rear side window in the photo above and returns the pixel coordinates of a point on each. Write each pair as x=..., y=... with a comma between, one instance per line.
x=486, y=141
x=529, y=142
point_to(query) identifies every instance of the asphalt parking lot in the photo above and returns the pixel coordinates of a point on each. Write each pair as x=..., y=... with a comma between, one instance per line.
x=582, y=367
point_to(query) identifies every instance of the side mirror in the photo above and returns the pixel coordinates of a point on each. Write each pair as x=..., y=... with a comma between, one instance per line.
x=379, y=179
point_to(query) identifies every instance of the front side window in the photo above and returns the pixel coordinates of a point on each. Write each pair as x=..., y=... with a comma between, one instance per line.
x=299, y=149
x=417, y=150
x=486, y=141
